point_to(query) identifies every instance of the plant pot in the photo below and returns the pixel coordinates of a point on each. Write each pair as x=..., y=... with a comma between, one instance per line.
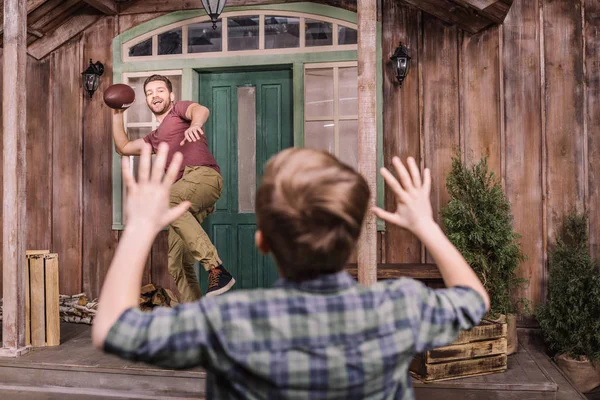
x=582, y=373
x=512, y=341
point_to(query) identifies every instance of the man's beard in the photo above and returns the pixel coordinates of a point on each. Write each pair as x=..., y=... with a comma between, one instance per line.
x=166, y=106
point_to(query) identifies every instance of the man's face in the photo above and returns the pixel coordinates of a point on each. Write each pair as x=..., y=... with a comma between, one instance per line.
x=158, y=97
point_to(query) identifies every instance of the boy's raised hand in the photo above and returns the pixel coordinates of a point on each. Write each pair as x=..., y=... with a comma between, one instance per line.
x=147, y=203
x=413, y=210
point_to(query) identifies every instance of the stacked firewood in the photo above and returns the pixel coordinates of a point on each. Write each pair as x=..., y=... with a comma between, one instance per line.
x=78, y=309
x=152, y=296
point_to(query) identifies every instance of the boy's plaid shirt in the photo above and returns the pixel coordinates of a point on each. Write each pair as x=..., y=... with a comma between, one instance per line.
x=329, y=338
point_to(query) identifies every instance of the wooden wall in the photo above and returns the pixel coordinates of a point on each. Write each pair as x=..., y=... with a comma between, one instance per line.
x=526, y=94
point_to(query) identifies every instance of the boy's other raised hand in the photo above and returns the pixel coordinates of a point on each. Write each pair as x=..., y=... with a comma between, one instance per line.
x=413, y=209
x=147, y=203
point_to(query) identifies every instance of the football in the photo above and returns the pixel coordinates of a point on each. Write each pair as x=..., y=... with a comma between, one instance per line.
x=119, y=96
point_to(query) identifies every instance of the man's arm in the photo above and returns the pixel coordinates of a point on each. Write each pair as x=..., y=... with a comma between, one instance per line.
x=198, y=115
x=123, y=145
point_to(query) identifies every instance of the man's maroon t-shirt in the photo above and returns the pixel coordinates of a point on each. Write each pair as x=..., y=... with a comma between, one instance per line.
x=172, y=130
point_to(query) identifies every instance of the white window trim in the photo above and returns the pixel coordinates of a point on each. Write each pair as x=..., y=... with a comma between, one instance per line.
x=225, y=52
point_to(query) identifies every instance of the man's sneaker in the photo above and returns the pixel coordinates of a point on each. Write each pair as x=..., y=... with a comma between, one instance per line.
x=219, y=281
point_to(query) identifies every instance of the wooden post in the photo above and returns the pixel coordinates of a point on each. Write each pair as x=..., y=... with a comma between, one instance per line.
x=367, y=133
x=14, y=222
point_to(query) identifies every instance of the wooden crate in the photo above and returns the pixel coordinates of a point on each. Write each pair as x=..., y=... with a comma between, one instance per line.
x=42, y=321
x=479, y=351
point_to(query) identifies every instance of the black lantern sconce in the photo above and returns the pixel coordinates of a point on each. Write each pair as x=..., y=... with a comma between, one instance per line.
x=91, y=77
x=401, y=63
x=214, y=8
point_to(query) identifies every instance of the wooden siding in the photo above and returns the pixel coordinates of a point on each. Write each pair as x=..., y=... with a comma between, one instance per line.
x=526, y=94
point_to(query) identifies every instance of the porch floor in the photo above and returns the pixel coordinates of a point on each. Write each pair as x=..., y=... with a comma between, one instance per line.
x=76, y=369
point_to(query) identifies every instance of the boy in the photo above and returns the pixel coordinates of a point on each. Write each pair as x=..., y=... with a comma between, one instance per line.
x=317, y=333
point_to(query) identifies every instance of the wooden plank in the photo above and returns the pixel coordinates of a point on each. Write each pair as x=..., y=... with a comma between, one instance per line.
x=14, y=172
x=32, y=5
x=401, y=124
x=41, y=48
x=450, y=12
x=367, y=134
x=563, y=49
x=440, y=106
x=1, y=177
x=494, y=10
x=454, y=369
x=128, y=21
x=486, y=329
x=395, y=271
x=523, y=152
x=27, y=305
x=592, y=119
x=99, y=240
x=52, y=295
x=66, y=97
x=39, y=156
x=150, y=6
x=108, y=7
x=38, y=300
x=51, y=11
x=465, y=351
x=480, y=103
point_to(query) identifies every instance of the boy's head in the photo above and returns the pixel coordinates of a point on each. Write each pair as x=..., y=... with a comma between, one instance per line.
x=159, y=94
x=310, y=208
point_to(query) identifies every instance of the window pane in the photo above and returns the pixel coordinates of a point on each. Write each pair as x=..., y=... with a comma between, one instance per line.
x=320, y=135
x=318, y=93
x=348, y=91
x=243, y=33
x=141, y=49
x=202, y=38
x=139, y=111
x=347, y=35
x=170, y=42
x=318, y=33
x=282, y=32
x=349, y=143
x=246, y=149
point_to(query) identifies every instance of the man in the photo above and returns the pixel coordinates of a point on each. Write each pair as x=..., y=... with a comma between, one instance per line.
x=198, y=181
x=317, y=334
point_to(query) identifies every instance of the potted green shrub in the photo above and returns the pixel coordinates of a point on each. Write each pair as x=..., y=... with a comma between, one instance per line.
x=478, y=221
x=570, y=319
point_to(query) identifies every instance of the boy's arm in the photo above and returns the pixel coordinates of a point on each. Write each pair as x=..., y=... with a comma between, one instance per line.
x=148, y=212
x=198, y=115
x=414, y=213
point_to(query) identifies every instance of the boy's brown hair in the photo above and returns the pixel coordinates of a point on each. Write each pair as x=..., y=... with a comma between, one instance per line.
x=310, y=208
x=162, y=78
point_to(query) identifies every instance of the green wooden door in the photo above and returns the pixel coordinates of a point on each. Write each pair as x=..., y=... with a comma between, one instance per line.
x=250, y=120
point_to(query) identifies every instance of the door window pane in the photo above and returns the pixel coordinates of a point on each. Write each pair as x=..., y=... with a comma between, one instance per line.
x=320, y=135
x=349, y=143
x=170, y=42
x=139, y=111
x=243, y=33
x=347, y=35
x=348, y=91
x=202, y=38
x=141, y=49
x=318, y=33
x=246, y=149
x=318, y=93
x=282, y=32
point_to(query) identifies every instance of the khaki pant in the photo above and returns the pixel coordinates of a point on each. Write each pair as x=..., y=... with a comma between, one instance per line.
x=188, y=242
